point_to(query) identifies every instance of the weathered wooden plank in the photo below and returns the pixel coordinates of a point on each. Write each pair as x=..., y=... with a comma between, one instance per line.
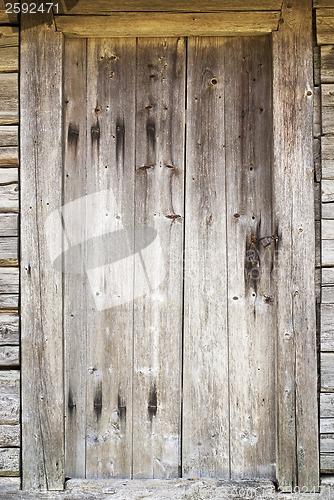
x=317, y=244
x=326, y=442
x=9, y=329
x=9, y=198
x=327, y=108
x=325, y=26
x=144, y=24
x=328, y=276
x=327, y=210
x=297, y=448
x=8, y=224
x=318, y=285
x=75, y=303
x=9, y=485
x=9, y=156
x=327, y=191
x=9, y=280
x=327, y=327
x=327, y=229
x=159, y=200
x=326, y=425
x=317, y=201
x=9, y=98
x=9, y=462
x=9, y=436
x=205, y=373
x=41, y=284
x=327, y=63
x=111, y=143
x=327, y=295
x=320, y=4
x=317, y=112
x=248, y=117
x=9, y=397
x=8, y=175
x=317, y=159
x=326, y=463
x=327, y=252
x=327, y=405
x=327, y=371
x=8, y=251
x=9, y=135
x=316, y=65
x=9, y=59
x=9, y=36
x=327, y=157
x=110, y=6
x=9, y=356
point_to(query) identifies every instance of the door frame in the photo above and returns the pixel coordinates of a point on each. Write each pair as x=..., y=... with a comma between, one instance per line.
x=293, y=220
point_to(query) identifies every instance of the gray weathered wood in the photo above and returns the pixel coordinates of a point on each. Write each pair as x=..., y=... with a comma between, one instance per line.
x=9, y=135
x=10, y=485
x=326, y=463
x=109, y=6
x=327, y=211
x=317, y=159
x=9, y=156
x=251, y=291
x=145, y=24
x=326, y=443
x=41, y=284
x=9, y=98
x=8, y=251
x=327, y=371
x=8, y=224
x=327, y=191
x=317, y=201
x=326, y=425
x=297, y=448
x=9, y=397
x=327, y=327
x=317, y=244
x=75, y=285
x=327, y=252
x=9, y=436
x=9, y=329
x=328, y=277
x=111, y=153
x=205, y=431
x=9, y=198
x=9, y=462
x=9, y=302
x=317, y=112
x=325, y=26
x=9, y=356
x=9, y=280
x=159, y=202
x=327, y=405
x=327, y=157
x=8, y=175
x=327, y=108
x=327, y=295
x=327, y=64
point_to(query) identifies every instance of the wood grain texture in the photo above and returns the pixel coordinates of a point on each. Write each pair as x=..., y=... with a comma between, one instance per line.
x=327, y=249
x=159, y=201
x=9, y=59
x=321, y=4
x=144, y=24
x=327, y=371
x=9, y=356
x=327, y=295
x=326, y=463
x=327, y=157
x=327, y=108
x=325, y=26
x=317, y=119
x=9, y=329
x=8, y=251
x=9, y=98
x=297, y=448
x=327, y=211
x=9, y=156
x=327, y=328
x=41, y=284
x=327, y=63
x=9, y=397
x=9, y=36
x=9, y=436
x=317, y=159
x=327, y=191
x=109, y=6
x=9, y=302
x=250, y=283
x=326, y=425
x=75, y=285
x=9, y=135
x=9, y=280
x=327, y=405
x=205, y=373
x=111, y=154
x=9, y=462
x=328, y=277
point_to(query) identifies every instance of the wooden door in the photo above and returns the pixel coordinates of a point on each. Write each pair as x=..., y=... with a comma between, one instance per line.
x=179, y=381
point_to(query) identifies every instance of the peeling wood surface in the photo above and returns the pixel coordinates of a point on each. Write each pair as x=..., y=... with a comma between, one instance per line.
x=110, y=6
x=9, y=98
x=297, y=355
x=143, y=24
x=41, y=285
x=9, y=329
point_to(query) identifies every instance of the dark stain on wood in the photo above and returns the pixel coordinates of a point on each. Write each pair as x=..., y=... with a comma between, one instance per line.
x=151, y=141
x=95, y=132
x=73, y=136
x=152, y=402
x=71, y=402
x=120, y=142
x=98, y=400
x=121, y=408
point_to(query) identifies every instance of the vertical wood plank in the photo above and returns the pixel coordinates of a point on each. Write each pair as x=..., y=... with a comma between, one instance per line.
x=41, y=284
x=159, y=204
x=75, y=284
x=110, y=171
x=205, y=374
x=297, y=422
x=251, y=325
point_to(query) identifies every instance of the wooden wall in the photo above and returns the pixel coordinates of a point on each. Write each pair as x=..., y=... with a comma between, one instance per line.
x=9, y=272
x=324, y=163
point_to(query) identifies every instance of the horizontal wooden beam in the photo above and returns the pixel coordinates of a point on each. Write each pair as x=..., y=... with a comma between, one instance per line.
x=9, y=436
x=325, y=26
x=101, y=7
x=156, y=24
x=322, y=4
x=9, y=329
x=9, y=99
x=327, y=405
x=9, y=462
x=9, y=135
